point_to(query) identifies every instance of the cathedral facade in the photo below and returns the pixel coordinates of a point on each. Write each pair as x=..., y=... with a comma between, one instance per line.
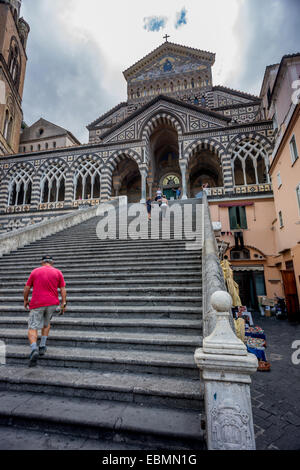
x=176, y=129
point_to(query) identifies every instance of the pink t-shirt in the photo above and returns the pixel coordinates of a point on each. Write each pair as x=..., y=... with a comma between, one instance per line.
x=45, y=281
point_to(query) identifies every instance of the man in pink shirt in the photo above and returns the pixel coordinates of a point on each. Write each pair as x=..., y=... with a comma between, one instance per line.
x=45, y=281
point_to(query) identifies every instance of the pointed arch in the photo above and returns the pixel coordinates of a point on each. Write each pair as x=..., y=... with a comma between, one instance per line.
x=158, y=118
x=87, y=177
x=203, y=144
x=53, y=180
x=20, y=181
x=253, y=156
x=119, y=155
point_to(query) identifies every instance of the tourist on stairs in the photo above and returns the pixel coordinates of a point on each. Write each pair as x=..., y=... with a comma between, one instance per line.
x=45, y=281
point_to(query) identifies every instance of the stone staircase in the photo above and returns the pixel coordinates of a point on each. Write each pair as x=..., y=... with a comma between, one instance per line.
x=119, y=365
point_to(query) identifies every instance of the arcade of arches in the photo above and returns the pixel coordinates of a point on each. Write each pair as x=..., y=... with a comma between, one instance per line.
x=204, y=167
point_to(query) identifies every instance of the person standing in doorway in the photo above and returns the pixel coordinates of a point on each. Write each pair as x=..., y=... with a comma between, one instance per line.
x=45, y=281
x=178, y=193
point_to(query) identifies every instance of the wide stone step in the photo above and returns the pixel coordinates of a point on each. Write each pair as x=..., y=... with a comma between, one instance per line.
x=191, y=313
x=127, y=387
x=109, y=244
x=99, y=264
x=141, y=325
x=91, y=300
x=133, y=423
x=110, y=340
x=112, y=256
x=168, y=291
x=124, y=275
x=173, y=364
x=192, y=283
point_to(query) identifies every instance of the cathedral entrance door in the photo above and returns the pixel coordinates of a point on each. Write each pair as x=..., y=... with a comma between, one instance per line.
x=170, y=184
x=170, y=193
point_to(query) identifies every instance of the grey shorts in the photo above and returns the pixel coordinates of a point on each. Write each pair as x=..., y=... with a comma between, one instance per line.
x=40, y=317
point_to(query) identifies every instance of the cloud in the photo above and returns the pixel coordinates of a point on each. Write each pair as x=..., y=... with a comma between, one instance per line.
x=266, y=31
x=64, y=76
x=155, y=23
x=181, y=18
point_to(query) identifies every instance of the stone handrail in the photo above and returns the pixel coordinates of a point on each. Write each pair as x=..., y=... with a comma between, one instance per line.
x=212, y=274
x=225, y=365
x=17, y=239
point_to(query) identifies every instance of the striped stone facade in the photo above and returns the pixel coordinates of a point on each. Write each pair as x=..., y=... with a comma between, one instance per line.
x=216, y=136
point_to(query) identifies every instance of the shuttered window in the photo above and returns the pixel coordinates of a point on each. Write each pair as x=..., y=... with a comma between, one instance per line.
x=238, y=218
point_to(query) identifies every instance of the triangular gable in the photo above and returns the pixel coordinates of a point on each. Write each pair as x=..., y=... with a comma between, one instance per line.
x=112, y=117
x=50, y=129
x=224, y=97
x=169, y=58
x=190, y=118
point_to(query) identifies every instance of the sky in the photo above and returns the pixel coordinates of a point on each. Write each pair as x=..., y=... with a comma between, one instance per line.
x=78, y=49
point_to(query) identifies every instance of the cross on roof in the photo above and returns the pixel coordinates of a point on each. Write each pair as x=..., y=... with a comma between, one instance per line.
x=166, y=37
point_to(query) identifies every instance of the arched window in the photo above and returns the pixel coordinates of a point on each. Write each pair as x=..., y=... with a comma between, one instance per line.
x=9, y=130
x=185, y=84
x=53, y=183
x=20, y=187
x=250, y=163
x=193, y=83
x=87, y=180
x=14, y=62
x=6, y=121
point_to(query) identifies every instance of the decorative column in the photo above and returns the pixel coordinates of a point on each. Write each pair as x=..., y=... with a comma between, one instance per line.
x=183, y=177
x=106, y=184
x=228, y=173
x=117, y=185
x=226, y=367
x=36, y=191
x=4, y=194
x=144, y=190
x=69, y=188
x=150, y=185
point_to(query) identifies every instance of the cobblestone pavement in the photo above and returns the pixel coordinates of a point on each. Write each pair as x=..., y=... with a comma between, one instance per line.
x=276, y=394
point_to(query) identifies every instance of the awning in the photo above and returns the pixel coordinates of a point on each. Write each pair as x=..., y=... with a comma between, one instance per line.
x=247, y=268
x=236, y=204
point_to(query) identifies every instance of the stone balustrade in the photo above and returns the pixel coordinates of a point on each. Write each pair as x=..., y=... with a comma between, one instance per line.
x=226, y=366
x=19, y=238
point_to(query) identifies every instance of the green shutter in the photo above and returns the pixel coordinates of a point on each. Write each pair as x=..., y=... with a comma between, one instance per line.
x=233, y=218
x=243, y=217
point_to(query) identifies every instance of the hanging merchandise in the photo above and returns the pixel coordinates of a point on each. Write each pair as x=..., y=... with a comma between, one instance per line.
x=256, y=344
